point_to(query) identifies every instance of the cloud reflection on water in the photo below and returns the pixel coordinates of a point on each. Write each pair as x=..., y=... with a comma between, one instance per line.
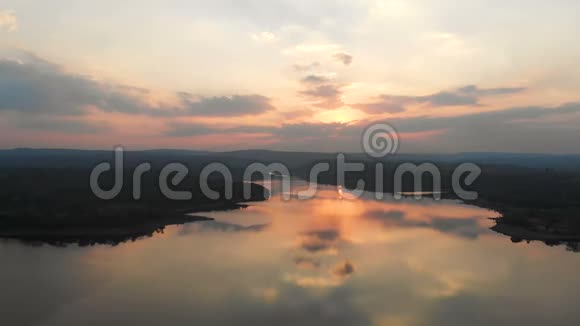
x=383, y=263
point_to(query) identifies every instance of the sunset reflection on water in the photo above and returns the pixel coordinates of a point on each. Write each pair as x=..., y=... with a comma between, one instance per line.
x=328, y=260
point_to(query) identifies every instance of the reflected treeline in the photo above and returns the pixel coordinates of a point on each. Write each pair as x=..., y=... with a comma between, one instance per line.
x=108, y=237
x=82, y=241
x=49, y=190
x=215, y=226
x=537, y=204
x=552, y=227
x=89, y=236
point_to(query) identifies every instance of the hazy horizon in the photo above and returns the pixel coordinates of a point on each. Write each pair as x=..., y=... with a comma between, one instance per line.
x=193, y=150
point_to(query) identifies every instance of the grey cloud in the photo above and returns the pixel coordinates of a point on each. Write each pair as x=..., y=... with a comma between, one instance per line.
x=323, y=91
x=315, y=79
x=31, y=85
x=473, y=89
x=469, y=95
x=506, y=130
x=328, y=96
x=485, y=119
x=344, y=58
x=38, y=86
x=287, y=132
x=448, y=99
x=236, y=105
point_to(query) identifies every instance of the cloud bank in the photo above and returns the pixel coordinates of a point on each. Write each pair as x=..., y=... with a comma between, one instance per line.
x=31, y=85
x=469, y=95
x=36, y=94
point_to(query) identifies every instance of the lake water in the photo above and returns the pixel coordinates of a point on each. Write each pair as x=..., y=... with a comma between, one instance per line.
x=326, y=261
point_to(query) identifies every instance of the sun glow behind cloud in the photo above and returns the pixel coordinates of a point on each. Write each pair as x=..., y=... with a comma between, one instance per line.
x=258, y=72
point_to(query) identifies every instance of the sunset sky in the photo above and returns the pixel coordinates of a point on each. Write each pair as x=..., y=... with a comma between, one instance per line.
x=449, y=75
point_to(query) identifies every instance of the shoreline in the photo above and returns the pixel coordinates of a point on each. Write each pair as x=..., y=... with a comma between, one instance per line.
x=552, y=226
x=112, y=234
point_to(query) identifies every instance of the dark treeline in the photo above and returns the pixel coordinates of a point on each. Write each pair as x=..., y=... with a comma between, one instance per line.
x=58, y=206
x=47, y=192
x=535, y=204
x=502, y=185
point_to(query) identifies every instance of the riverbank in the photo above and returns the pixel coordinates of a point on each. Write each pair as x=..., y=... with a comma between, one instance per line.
x=58, y=208
x=551, y=220
x=61, y=231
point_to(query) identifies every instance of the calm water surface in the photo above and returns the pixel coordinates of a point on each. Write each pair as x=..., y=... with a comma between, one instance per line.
x=327, y=261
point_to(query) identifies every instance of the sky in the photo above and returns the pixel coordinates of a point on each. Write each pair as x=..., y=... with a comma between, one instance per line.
x=449, y=76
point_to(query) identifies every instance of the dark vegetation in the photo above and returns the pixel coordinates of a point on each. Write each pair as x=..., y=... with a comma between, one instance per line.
x=45, y=194
x=57, y=206
x=535, y=204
